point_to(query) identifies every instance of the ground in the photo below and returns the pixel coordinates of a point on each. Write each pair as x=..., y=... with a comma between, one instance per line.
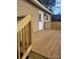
x=47, y=43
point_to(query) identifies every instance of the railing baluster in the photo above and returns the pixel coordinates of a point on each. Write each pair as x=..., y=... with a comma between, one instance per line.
x=29, y=33
x=18, y=37
x=23, y=40
x=24, y=37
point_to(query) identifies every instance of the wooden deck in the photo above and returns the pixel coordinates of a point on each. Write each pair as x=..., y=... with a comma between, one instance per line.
x=47, y=43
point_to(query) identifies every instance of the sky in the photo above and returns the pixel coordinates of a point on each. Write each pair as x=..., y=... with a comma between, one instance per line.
x=57, y=7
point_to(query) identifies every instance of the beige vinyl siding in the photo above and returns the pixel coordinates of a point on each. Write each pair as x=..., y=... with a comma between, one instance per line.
x=49, y=18
x=24, y=8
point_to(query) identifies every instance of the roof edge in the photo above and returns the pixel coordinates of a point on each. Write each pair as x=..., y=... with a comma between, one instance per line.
x=41, y=6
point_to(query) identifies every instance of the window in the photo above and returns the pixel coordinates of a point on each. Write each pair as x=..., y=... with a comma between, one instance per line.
x=46, y=17
x=39, y=17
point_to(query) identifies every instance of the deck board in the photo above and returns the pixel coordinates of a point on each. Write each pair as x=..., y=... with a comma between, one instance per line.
x=45, y=42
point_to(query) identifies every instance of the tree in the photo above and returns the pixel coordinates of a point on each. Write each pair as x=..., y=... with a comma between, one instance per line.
x=48, y=3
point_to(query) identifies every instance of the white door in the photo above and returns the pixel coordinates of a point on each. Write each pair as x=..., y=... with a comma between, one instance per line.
x=41, y=22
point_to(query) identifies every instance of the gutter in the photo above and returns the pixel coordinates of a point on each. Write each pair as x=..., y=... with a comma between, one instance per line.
x=41, y=6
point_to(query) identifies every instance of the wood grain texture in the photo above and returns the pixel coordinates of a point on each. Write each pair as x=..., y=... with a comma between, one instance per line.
x=24, y=38
x=33, y=55
x=18, y=44
x=56, y=25
x=27, y=52
x=21, y=24
x=44, y=42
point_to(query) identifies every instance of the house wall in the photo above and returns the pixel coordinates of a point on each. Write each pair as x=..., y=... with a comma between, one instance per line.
x=47, y=26
x=49, y=18
x=24, y=8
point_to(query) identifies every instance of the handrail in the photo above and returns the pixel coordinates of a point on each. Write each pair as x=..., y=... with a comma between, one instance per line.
x=21, y=33
x=23, y=22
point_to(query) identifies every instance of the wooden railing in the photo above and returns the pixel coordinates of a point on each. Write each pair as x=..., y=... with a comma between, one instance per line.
x=56, y=25
x=24, y=44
